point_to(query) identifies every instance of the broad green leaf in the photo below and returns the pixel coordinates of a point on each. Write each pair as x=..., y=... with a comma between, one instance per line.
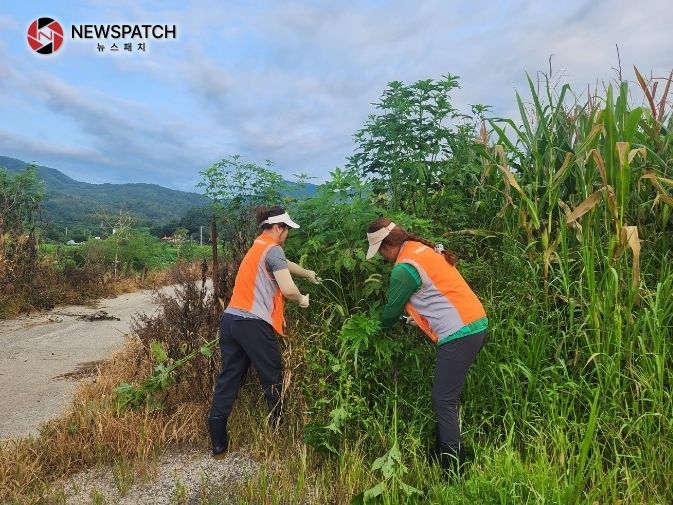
x=158, y=351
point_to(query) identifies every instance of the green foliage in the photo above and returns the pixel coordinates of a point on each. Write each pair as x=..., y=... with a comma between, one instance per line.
x=575, y=371
x=392, y=470
x=356, y=379
x=574, y=187
x=136, y=252
x=568, y=244
x=196, y=221
x=148, y=391
x=235, y=187
x=416, y=151
x=330, y=240
x=20, y=202
x=123, y=474
x=21, y=197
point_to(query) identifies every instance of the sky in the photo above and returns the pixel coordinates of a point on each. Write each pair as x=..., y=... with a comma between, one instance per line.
x=287, y=81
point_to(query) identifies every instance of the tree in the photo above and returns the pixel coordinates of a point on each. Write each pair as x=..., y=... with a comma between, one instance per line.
x=20, y=200
x=20, y=203
x=236, y=188
x=196, y=220
x=418, y=145
x=180, y=235
x=120, y=225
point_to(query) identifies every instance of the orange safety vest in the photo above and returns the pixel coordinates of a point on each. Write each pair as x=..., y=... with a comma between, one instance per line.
x=445, y=303
x=255, y=290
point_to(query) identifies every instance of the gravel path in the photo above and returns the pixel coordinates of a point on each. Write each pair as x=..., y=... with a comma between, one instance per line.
x=46, y=355
x=180, y=478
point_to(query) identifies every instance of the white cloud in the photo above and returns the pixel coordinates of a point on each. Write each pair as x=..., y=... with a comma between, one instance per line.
x=292, y=81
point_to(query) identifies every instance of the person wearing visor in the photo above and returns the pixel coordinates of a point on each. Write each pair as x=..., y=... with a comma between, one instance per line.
x=426, y=283
x=253, y=318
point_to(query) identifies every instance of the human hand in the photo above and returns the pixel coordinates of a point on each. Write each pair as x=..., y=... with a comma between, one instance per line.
x=303, y=303
x=313, y=278
x=409, y=320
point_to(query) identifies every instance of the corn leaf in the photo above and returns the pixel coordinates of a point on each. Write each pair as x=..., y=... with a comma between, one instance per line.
x=585, y=206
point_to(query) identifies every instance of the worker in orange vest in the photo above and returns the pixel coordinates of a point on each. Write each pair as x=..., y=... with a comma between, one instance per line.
x=426, y=283
x=254, y=317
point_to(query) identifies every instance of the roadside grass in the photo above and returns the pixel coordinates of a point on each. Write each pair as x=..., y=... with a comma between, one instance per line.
x=50, y=288
x=559, y=411
x=540, y=432
x=46, y=286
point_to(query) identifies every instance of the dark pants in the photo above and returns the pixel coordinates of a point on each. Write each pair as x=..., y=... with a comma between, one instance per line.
x=453, y=361
x=244, y=341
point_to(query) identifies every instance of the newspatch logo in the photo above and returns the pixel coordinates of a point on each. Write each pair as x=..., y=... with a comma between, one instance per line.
x=45, y=35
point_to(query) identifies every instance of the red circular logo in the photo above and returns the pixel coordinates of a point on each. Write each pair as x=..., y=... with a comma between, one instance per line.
x=45, y=35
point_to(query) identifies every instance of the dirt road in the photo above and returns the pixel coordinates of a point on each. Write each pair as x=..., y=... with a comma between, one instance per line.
x=42, y=356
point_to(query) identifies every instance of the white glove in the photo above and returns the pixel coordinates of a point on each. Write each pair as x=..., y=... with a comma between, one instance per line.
x=313, y=278
x=303, y=303
x=409, y=320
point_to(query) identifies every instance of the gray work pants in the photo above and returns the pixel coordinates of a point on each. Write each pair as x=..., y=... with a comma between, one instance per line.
x=453, y=361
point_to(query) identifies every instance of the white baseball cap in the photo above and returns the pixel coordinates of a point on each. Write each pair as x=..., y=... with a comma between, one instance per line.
x=376, y=238
x=281, y=218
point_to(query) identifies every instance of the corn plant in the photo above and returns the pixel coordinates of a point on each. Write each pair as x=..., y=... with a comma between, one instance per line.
x=583, y=190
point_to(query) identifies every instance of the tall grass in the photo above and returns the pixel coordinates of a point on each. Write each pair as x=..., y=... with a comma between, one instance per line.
x=594, y=362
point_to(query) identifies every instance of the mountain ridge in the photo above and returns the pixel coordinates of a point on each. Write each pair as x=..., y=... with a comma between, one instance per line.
x=69, y=202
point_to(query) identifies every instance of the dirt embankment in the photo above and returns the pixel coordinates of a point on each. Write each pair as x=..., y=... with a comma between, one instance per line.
x=43, y=356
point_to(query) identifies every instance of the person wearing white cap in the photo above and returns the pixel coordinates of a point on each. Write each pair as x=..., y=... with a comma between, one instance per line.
x=253, y=318
x=426, y=283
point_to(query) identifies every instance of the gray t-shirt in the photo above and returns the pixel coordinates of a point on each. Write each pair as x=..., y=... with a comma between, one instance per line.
x=275, y=259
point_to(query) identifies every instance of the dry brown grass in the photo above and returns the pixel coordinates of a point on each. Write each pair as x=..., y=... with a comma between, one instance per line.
x=97, y=432
x=43, y=286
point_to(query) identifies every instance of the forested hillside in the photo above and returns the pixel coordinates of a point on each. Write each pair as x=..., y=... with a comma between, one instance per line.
x=70, y=203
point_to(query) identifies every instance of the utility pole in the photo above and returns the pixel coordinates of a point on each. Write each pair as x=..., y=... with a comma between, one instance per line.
x=201, y=236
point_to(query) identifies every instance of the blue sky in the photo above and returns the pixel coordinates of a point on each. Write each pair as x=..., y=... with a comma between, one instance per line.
x=287, y=81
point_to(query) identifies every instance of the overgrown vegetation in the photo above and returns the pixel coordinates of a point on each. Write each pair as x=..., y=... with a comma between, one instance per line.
x=562, y=221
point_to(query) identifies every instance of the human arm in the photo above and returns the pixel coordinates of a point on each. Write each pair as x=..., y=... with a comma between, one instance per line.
x=404, y=282
x=289, y=288
x=277, y=264
x=299, y=271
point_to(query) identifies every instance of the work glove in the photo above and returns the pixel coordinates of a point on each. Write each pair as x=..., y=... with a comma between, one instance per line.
x=303, y=303
x=409, y=320
x=313, y=278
